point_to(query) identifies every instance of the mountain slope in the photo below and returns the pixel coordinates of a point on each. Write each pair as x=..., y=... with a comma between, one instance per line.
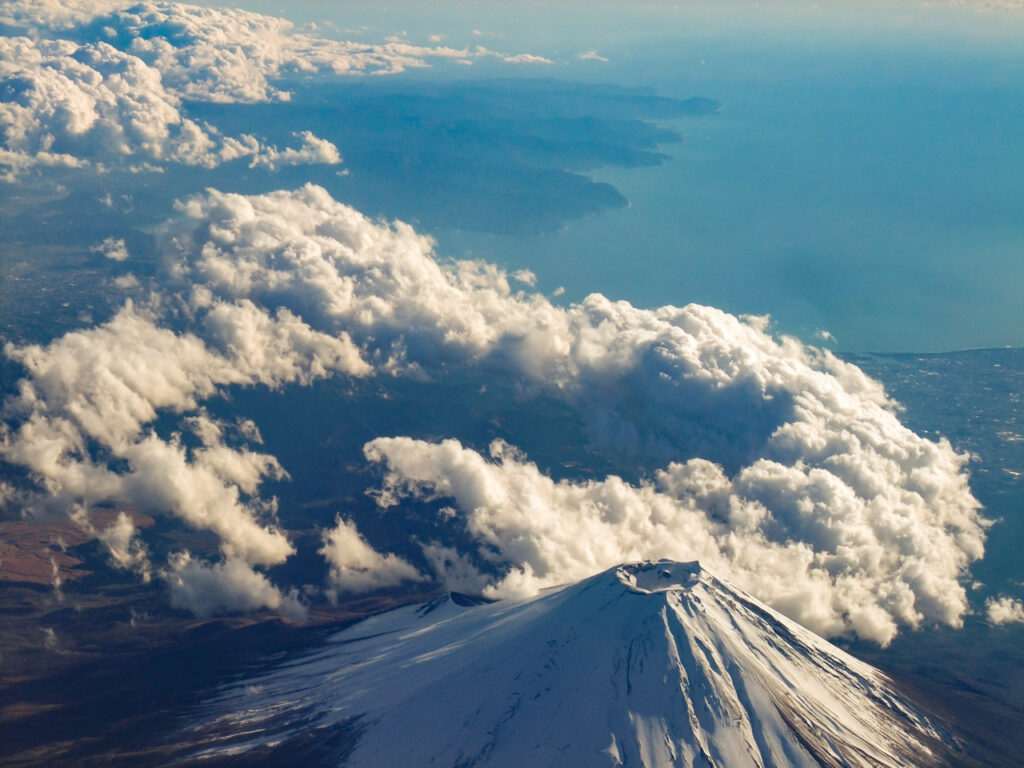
x=648, y=664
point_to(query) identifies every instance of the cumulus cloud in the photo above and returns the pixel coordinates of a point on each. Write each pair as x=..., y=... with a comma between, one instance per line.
x=92, y=83
x=71, y=104
x=113, y=248
x=341, y=270
x=313, y=150
x=525, y=58
x=226, y=587
x=590, y=56
x=846, y=566
x=231, y=55
x=79, y=421
x=110, y=380
x=775, y=458
x=216, y=54
x=126, y=282
x=1004, y=610
x=358, y=567
x=808, y=446
x=125, y=547
x=55, y=14
x=224, y=54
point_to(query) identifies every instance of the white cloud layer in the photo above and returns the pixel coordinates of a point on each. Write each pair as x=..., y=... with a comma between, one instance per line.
x=822, y=479
x=95, y=83
x=231, y=55
x=526, y=58
x=217, y=54
x=72, y=104
x=779, y=459
x=802, y=541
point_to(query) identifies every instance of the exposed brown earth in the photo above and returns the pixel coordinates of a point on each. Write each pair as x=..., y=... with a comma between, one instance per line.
x=35, y=552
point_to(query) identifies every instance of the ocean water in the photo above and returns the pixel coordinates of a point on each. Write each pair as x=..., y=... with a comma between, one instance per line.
x=863, y=183
x=873, y=193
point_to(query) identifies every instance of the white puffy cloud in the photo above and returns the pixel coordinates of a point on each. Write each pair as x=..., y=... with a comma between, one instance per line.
x=344, y=271
x=111, y=379
x=777, y=459
x=113, y=248
x=79, y=421
x=65, y=103
x=225, y=54
x=1004, y=610
x=525, y=58
x=525, y=276
x=846, y=566
x=96, y=83
x=226, y=587
x=313, y=150
x=231, y=55
x=56, y=14
x=358, y=567
x=810, y=448
x=125, y=547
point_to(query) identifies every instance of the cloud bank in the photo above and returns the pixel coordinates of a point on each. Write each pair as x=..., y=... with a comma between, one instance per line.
x=803, y=542
x=784, y=468
x=93, y=83
x=77, y=105
x=216, y=54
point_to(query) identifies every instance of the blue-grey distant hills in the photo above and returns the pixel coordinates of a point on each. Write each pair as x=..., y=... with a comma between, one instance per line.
x=499, y=156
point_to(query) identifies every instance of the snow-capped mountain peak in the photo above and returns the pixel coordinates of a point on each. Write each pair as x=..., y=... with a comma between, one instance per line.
x=656, y=663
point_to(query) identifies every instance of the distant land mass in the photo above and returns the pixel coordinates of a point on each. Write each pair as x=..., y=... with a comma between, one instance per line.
x=503, y=156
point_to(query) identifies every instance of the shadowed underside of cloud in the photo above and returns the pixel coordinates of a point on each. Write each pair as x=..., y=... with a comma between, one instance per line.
x=94, y=83
x=786, y=468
